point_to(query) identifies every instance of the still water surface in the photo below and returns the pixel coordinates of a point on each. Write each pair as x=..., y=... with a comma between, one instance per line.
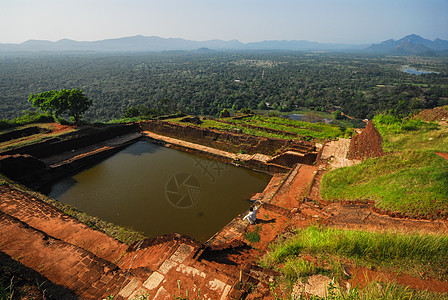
x=158, y=190
x=417, y=72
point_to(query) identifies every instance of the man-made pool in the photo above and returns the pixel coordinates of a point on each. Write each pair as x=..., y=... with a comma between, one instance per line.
x=158, y=190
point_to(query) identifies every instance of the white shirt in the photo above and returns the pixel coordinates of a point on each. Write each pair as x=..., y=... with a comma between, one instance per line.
x=252, y=216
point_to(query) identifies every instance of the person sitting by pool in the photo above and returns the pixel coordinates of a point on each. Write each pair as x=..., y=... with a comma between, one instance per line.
x=252, y=215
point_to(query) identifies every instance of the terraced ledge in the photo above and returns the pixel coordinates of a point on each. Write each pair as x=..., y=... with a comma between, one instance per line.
x=255, y=161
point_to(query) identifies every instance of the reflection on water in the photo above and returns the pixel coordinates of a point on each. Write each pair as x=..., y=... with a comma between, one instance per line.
x=158, y=190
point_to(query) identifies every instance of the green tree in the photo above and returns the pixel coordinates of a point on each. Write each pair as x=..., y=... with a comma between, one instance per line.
x=71, y=102
x=262, y=105
x=132, y=112
x=224, y=113
x=337, y=115
x=245, y=110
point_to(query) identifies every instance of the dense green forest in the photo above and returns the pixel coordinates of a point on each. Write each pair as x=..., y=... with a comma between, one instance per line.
x=205, y=82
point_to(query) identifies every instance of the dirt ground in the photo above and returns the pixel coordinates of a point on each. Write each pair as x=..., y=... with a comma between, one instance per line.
x=438, y=114
x=444, y=155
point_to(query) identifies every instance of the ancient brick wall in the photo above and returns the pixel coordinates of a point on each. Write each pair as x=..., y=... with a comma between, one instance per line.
x=227, y=141
x=85, y=137
x=367, y=144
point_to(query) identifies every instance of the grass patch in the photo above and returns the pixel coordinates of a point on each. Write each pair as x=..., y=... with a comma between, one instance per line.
x=252, y=237
x=28, y=118
x=412, y=182
x=411, y=179
x=321, y=250
x=276, y=127
x=317, y=131
x=379, y=248
x=377, y=291
x=404, y=134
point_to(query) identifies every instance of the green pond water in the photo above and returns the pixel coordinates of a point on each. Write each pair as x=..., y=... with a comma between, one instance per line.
x=157, y=190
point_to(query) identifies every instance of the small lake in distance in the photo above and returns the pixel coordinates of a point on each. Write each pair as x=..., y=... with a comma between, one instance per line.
x=157, y=190
x=414, y=71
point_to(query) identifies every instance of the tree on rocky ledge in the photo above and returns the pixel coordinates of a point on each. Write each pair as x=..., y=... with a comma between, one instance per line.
x=71, y=102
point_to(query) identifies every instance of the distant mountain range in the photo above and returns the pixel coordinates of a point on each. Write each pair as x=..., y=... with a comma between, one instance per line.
x=409, y=45
x=153, y=43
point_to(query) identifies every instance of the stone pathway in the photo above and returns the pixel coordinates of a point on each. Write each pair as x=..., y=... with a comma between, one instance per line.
x=178, y=275
x=336, y=153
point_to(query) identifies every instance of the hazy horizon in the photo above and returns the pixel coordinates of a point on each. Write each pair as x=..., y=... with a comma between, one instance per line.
x=324, y=21
x=314, y=41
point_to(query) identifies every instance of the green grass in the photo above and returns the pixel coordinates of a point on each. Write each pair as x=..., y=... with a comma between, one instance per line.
x=27, y=118
x=379, y=248
x=216, y=124
x=321, y=250
x=411, y=182
x=399, y=135
x=411, y=179
x=253, y=236
x=286, y=128
x=375, y=291
x=318, y=131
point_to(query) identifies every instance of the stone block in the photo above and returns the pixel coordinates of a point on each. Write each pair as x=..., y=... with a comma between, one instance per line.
x=153, y=281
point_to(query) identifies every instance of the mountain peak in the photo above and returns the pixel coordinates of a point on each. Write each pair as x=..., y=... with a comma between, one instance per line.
x=413, y=36
x=412, y=44
x=415, y=39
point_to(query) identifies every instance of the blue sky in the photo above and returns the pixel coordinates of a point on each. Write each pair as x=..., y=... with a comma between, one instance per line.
x=343, y=21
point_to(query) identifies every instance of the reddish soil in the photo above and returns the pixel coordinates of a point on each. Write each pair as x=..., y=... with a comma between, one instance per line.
x=362, y=276
x=435, y=114
x=298, y=188
x=442, y=154
x=361, y=216
x=58, y=128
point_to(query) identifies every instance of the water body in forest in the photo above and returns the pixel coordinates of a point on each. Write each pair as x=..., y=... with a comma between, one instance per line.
x=414, y=71
x=305, y=118
x=297, y=117
x=157, y=190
